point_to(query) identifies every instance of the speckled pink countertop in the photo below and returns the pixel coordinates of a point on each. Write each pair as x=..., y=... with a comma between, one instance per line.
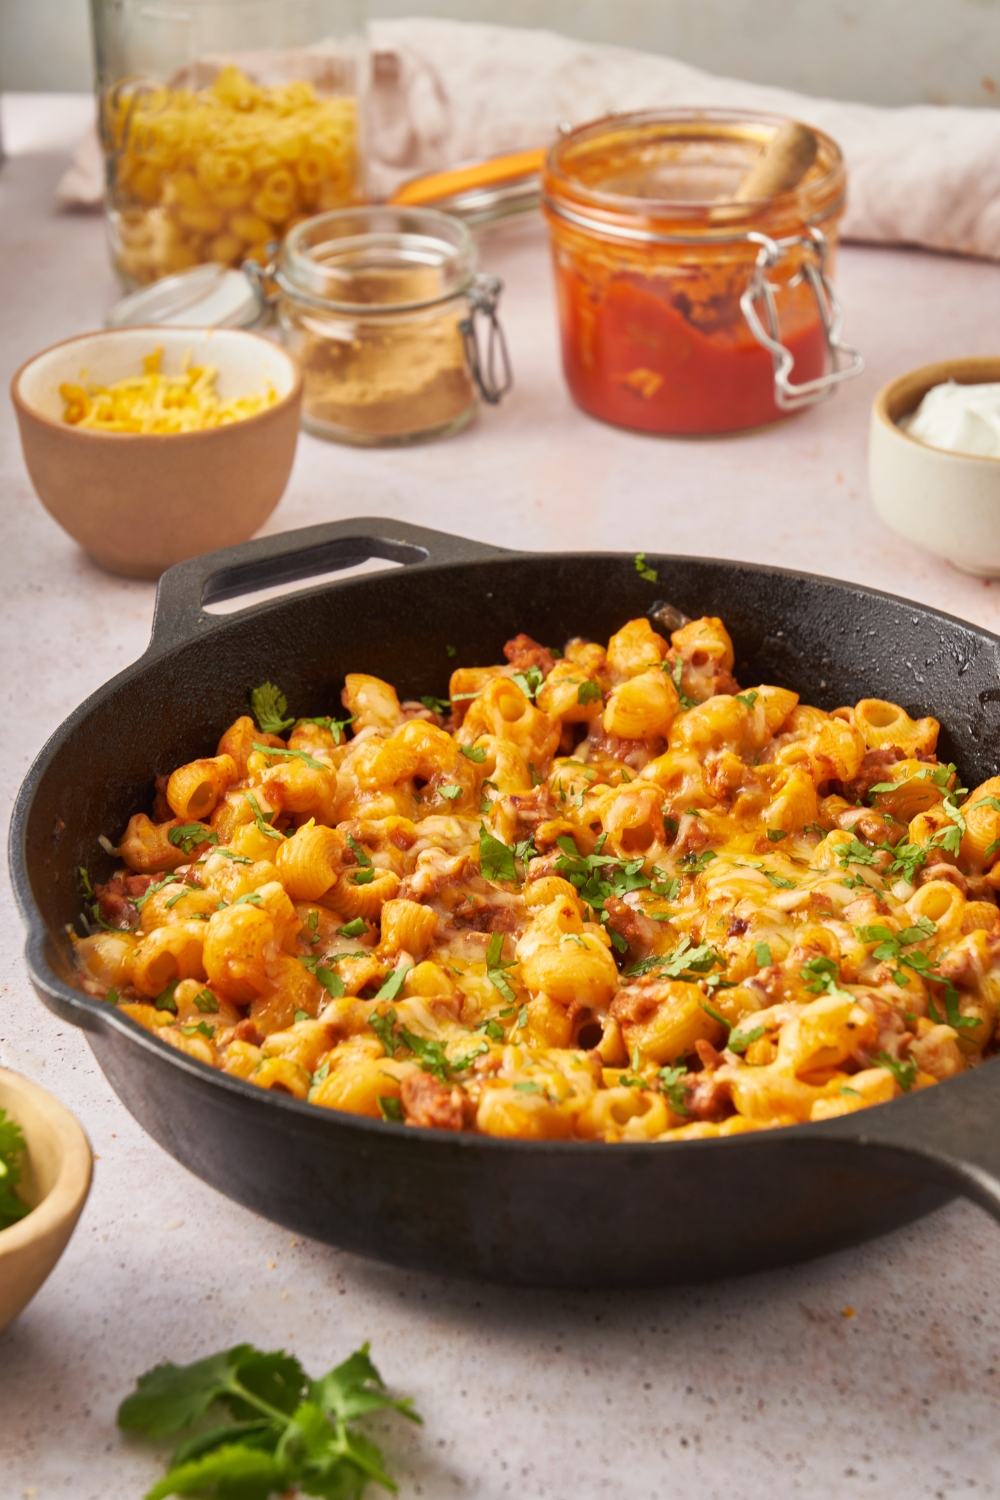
x=872, y=1373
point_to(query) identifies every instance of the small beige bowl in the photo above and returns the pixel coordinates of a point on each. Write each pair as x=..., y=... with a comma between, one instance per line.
x=56, y=1181
x=140, y=502
x=948, y=503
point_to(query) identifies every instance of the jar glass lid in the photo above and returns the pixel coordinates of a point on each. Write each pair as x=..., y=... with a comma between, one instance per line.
x=208, y=296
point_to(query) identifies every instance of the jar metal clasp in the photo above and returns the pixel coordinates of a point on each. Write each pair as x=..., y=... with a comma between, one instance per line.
x=845, y=360
x=492, y=375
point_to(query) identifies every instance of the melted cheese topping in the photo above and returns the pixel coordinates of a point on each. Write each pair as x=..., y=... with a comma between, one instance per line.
x=604, y=895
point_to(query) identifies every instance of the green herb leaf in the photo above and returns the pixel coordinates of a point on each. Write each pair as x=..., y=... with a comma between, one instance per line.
x=451, y=790
x=269, y=706
x=206, y=1002
x=529, y=681
x=198, y=1028
x=905, y=1073
x=739, y=1041
x=589, y=692
x=393, y=984
x=190, y=835
x=749, y=699
x=262, y=823
x=496, y=860
x=763, y=953
x=493, y=1030
x=474, y=752
x=165, y=999
x=778, y=880
x=671, y=1086
x=363, y=877
x=361, y=855
x=12, y=1148
x=856, y=853
x=683, y=960
x=331, y=982
x=251, y=898
x=440, y=706
x=308, y=760
x=675, y=674
x=384, y=1027
x=390, y=1108
x=776, y=835
x=715, y=1015
x=357, y=928
x=643, y=569
x=693, y=863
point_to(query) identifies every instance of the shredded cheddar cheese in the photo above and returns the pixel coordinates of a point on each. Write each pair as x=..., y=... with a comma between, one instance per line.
x=154, y=402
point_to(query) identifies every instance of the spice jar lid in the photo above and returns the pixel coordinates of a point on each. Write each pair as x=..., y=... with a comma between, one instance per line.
x=207, y=296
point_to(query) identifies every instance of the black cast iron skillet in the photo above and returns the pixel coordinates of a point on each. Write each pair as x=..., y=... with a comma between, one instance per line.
x=560, y=1213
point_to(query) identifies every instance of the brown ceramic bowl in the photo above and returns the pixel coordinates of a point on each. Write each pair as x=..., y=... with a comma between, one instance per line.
x=139, y=502
x=56, y=1181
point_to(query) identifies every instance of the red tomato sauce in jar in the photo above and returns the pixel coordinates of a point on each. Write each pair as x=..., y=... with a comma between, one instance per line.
x=652, y=255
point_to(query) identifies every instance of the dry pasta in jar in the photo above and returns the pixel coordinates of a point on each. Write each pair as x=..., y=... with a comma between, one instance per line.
x=216, y=173
x=599, y=893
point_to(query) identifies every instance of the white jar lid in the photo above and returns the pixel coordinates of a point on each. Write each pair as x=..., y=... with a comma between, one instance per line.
x=208, y=296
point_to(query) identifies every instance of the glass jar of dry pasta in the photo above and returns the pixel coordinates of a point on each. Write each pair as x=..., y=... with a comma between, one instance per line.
x=224, y=124
x=383, y=307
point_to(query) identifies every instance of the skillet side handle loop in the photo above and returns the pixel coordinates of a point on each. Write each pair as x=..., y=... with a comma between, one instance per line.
x=951, y=1133
x=179, y=615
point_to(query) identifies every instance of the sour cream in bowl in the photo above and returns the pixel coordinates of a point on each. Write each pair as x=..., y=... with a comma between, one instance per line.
x=934, y=461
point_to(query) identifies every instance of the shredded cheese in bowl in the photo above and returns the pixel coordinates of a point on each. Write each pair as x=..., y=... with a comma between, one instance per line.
x=158, y=403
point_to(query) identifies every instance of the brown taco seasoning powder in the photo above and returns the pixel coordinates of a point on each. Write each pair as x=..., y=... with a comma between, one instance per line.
x=391, y=375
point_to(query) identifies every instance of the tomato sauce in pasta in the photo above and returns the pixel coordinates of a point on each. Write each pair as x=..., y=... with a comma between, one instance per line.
x=597, y=894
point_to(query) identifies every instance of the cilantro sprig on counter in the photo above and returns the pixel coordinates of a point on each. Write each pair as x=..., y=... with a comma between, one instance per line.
x=283, y=1428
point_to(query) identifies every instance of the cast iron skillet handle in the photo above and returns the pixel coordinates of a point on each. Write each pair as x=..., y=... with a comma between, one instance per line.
x=950, y=1134
x=184, y=589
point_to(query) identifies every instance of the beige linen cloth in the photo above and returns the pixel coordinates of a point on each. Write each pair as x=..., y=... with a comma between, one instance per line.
x=451, y=91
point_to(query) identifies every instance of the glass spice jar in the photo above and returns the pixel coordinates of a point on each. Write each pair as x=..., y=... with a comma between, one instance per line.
x=380, y=306
x=225, y=123
x=682, y=309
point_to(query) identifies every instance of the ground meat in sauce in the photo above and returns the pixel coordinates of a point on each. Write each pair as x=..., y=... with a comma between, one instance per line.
x=116, y=899
x=707, y=1097
x=522, y=652
x=427, y=1101
x=636, y=928
x=737, y=927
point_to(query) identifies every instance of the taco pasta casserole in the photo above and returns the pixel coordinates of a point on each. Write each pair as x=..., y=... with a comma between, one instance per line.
x=604, y=895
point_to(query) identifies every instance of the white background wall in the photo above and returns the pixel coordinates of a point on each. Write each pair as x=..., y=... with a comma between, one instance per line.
x=886, y=51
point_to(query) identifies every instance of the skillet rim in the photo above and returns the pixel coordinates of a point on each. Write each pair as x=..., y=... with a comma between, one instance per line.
x=65, y=998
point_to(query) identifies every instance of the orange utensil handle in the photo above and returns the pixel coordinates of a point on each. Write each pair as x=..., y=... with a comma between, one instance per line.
x=436, y=186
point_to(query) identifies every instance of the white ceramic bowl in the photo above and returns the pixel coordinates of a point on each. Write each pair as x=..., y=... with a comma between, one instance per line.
x=139, y=502
x=56, y=1181
x=948, y=503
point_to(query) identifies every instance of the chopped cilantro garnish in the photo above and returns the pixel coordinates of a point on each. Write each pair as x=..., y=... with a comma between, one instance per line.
x=165, y=999
x=451, y=790
x=778, y=880
x=671, y=1086
x=643, y=569
x=151, y=890
x=198, y=1028
x=206, y=1002
x=357, y=928
x=749, y=699
x=495, y=965
x=264, y=824
x=364, y=876
x=715, y=1015
x=440, y=706
x=763, y=953
x=529, y=681
x=905, y=1073
x=272, y=750
x=251, y=898
x=693, y=863
x=684, y=959
x=390, y=1108
x=856, y=853
x=269, y=706
x=393, y=984
x=12, y=1148
x=776, y=835
x=823, y=974
x=739, y=1041
x=331, y=982
x=589, y=692
x=496, y=859
x=474, y=752
x=361, y=855
x=191, y=835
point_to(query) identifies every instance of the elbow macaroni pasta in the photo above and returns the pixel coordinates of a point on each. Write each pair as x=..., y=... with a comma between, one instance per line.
x=215, y=174
x=601, y=895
